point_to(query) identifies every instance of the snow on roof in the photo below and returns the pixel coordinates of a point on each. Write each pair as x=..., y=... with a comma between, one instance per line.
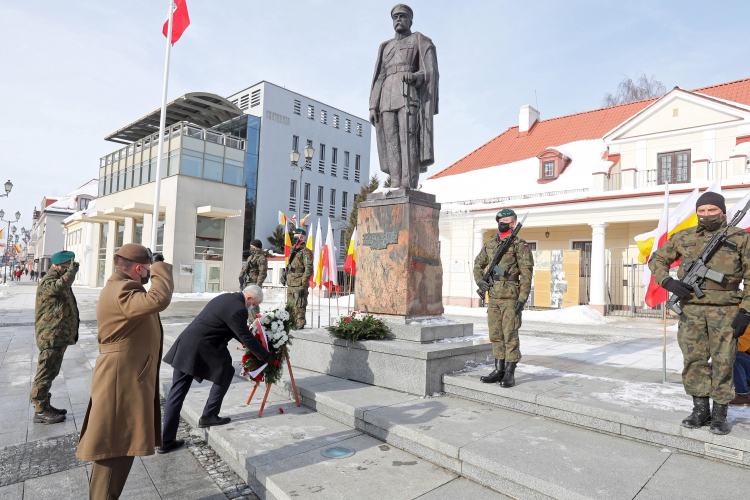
x=520, y=179
x=512, y=147
x=91, y=209
x=68, y=202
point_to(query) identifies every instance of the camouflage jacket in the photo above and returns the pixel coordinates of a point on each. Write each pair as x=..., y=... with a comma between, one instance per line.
x=300, y=268
x=518, y=263
x=56, y=322
x=687, y=245
x=256, y=268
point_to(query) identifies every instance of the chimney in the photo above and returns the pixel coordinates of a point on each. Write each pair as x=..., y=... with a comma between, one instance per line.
x=527, y=117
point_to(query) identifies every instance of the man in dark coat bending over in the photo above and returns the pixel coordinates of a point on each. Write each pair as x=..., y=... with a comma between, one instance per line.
x=200, y=352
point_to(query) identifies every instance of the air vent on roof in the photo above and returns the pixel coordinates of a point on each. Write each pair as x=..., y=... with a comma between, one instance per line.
x=348, y=125
x=311, y=111
x=243, y=101
x=255, y=101
x=335, y=121
x=323, y=116
x=359, y=129
x=297, y=106
x=236, y=102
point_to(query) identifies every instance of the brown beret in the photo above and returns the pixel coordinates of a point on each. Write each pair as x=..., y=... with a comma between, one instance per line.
x=135, y=252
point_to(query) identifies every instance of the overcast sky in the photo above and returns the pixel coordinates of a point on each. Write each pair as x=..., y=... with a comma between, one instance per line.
x=73, y=71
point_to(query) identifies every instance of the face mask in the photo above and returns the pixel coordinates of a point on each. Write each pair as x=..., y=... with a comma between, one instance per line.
x=503, y=226
x=145, y=280
x=711, y=222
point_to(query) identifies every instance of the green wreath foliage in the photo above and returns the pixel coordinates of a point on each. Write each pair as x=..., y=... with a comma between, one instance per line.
x=358, y=326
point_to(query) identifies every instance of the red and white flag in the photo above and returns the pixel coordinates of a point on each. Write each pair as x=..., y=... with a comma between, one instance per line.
x=180, y=21
x=655, y=294
x=329, y=270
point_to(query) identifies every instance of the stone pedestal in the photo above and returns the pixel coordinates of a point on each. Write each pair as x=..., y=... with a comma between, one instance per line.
x=399, y=272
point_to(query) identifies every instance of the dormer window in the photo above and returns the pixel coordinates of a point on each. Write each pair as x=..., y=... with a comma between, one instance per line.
x=552, y=163
x=548, y=171
x=83, y=203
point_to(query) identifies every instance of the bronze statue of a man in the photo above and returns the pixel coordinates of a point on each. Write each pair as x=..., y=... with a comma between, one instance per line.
x=405, y=90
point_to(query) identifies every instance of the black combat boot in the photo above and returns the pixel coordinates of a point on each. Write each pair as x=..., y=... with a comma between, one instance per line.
x=59, y=411
x=719, y=423
x=701, y=413
x=497, y=374
x=509, y=380
x=48, y=417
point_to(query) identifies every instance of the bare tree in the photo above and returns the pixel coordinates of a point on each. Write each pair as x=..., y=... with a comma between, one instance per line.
x=629, y=91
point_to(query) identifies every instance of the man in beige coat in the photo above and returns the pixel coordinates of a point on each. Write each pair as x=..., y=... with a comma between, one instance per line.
x=123, y=419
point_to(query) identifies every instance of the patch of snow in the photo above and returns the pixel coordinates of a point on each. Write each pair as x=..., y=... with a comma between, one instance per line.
x=427, y=320
x=576, y=315
x=673, y=328
x=195, y=296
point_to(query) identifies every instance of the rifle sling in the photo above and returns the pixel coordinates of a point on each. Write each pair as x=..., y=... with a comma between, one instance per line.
x=730, y=286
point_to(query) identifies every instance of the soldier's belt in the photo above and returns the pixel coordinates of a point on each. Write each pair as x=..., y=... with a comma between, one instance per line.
x=513, y=277
x=398, y=69
x=114, y=346
x=730, y=286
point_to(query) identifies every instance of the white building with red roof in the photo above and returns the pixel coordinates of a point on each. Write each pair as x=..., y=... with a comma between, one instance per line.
x=592, y=181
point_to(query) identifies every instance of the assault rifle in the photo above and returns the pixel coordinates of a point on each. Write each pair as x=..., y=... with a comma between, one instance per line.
x=494, y=267
x=285, y=271
x=697, y=271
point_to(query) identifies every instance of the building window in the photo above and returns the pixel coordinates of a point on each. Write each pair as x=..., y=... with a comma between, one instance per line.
x=308, y=166
x=584, y=248
x=335, y=121
x=101, y=268
x=323, y=116
x=344, y=202
x=160, y=233
x=311, y=111
x=346, y=165
x=119, y=235
x=356, y=168
x=674, y=167
x=297, y=106
x=293, y=195
x=320, y=201
x=359, y=129
x=322, y=159
x=83, y=203
x=138, y=231
x=255, y=98
x=209, y=239
x=306, y=199
x=347, y=125
x=548, y=169
x=295, y=143
x=334, y=161
x=332, y=207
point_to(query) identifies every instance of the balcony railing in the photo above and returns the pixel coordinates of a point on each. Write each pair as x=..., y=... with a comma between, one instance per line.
x=719, y=170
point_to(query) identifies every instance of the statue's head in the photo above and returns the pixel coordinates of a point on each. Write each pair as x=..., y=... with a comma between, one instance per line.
x=402, y=16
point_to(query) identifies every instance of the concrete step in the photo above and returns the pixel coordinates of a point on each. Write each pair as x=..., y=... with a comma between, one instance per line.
x=645, y=412
x=514, y=453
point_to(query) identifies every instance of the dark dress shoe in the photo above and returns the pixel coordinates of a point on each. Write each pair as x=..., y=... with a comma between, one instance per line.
x=48, y=417
x=59, y=411
x=170, y=445
x=213, y=420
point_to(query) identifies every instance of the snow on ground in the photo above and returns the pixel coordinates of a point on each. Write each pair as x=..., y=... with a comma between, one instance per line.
x=576, y=315
x=195, y=296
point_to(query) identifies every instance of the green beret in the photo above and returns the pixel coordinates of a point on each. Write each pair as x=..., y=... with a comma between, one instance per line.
x=63, y=257
x=505, y=212
x=299, y=231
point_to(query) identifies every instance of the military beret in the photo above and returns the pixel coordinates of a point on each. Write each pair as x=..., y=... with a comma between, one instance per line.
x=505, y=212
x=299, y=231
x=257, y=244
x=63, y=257
x=135, y=252
x=711, y=198
x=400, y=7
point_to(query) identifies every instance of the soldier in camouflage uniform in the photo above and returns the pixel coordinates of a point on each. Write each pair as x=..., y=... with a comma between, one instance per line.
x=506, y=297
x=298, y=273
x=56, y=327
x=254, y=272
x=708, y=326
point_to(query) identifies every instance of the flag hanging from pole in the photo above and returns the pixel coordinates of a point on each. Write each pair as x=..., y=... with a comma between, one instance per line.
x=282, y=219
x=180, y=21
x=315, y=278
x=350, y=266
x=329, y=271
x=655, y=294
x=310, y=246
x=287, y=245
x=304, y=219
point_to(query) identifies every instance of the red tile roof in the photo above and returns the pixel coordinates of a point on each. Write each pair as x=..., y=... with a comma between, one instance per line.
x=510, y=146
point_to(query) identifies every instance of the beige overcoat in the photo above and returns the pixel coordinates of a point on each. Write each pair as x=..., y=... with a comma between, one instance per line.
x=123, y=417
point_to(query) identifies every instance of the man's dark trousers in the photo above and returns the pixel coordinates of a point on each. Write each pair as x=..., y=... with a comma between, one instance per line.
x=180, y=386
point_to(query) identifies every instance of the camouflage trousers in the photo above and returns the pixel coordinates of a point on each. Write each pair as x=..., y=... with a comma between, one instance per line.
x=504, y=325
x=50, y=361
x=300, y=303
x=706, y=332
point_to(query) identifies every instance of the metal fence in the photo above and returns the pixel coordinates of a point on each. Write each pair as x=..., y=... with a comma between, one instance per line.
x=626, y=294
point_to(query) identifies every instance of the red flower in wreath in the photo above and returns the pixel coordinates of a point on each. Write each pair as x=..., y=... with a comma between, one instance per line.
x=259, y=315
x=245, y=358
x=377, y=322
x=258, y=378
x=257, y=336
x=347, y=320
x=275, y=362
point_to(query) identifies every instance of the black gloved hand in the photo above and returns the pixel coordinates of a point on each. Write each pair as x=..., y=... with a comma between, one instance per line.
x=518, y=305
x=677, y=287
x=301, y=293
x=483, y=285
x=157, y=257
x=75, y=266
x=740, y=323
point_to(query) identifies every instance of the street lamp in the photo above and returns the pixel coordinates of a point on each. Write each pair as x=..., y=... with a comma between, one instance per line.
x=8, y=187
x=294, y=155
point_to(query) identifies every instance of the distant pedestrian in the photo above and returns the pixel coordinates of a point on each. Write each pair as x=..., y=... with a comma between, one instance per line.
x=32, y=275
x=123, y=419
x=742, y=372
x=56, y=327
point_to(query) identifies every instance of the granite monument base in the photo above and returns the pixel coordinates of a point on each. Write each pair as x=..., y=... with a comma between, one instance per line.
x=399, y=272
x=424, y=330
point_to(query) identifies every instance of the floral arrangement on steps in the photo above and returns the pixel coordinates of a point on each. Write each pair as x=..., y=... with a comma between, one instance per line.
x=358, y=326
x=276, y=324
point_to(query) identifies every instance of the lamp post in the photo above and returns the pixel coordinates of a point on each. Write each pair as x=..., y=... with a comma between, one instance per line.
x=8, y=187
x=309, y=152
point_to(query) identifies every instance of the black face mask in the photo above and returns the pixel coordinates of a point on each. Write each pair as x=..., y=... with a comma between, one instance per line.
x=711, y=222
x=503, y=226
x=145, y=280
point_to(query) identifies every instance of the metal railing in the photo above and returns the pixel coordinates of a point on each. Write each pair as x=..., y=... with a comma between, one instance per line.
x=614, y=182
x=719, y=170
x=507, y=198
x=625, y=293
x=214, y=138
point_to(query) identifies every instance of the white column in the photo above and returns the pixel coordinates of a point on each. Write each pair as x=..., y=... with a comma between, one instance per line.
x=478, y=243
x=598, y=282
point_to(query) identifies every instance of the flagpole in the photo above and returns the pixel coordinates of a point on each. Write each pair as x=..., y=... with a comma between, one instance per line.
x=162, y=124
x=664, y=351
